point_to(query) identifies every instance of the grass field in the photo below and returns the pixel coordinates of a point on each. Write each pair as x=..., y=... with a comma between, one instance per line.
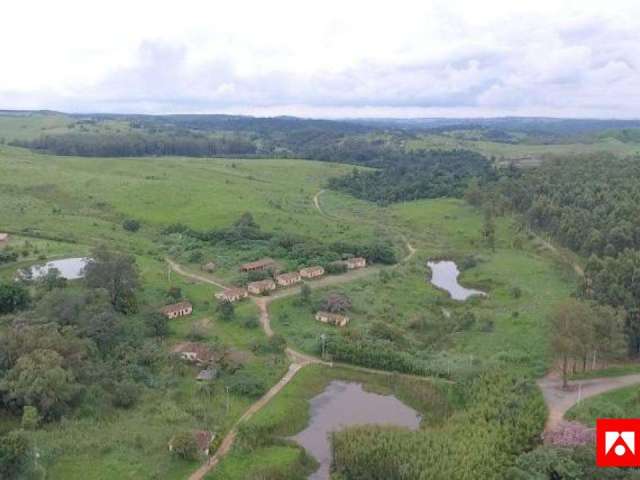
x=63, y=206
x=507, y=329
x=621, y=403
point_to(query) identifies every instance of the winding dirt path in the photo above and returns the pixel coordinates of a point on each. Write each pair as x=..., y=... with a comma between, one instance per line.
x=298, y=359
x=559, y=401
x=176, y=267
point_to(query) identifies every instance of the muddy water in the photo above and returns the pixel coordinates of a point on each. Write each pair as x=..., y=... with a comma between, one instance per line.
x=345, y=404
x=444, y=275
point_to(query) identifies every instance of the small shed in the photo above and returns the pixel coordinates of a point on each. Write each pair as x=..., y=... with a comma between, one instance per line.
x=195, y=352
x=261, y=264
x=332, y=318
x=232, y=294
x=203, y=439
x=177, y=310
x=312, y=272
x=356, y=262
x=288, y=279
x=256, y=288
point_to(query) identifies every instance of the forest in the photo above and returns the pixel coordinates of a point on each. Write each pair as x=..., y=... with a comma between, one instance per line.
x=422, y=174
x=592, y=206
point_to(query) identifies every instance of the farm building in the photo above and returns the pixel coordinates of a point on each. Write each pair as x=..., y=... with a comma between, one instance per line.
x=287, y=279
x=4, y=239
x=262, y=264
x=332, y=319
x=356, y=262
x=177, y=310
x=312, y=272
x=203, y=439
x=232, y=294
x=257, y=288
x=194, y=352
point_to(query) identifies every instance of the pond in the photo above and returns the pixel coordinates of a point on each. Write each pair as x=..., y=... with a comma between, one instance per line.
x=444, y=275
x=70, y=268
x=344, y=404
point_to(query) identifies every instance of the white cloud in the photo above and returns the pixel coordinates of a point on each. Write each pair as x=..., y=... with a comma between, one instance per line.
x=331, y=58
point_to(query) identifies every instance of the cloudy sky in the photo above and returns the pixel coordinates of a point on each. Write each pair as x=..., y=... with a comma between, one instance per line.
x=328, y=58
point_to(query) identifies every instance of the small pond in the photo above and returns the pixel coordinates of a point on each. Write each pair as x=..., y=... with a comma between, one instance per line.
x=70, y=268
x=444, y=275
x=344, y=404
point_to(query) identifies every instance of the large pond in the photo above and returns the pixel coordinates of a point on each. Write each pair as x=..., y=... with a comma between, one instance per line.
x=345, y=404
x=444, y=275
x=69, y=268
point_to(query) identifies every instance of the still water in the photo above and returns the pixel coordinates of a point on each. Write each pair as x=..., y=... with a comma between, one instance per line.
x=70, y=268
x=444, y=275
x=344, y=404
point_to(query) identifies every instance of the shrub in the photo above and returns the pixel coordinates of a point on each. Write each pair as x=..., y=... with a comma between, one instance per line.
x=335, y=268
x=30, y=418
x=184, y=445
x=251, y=323
x=336, y=303
x=243, y=383
x=125, y=394
x=516, y=292
x=131, y=225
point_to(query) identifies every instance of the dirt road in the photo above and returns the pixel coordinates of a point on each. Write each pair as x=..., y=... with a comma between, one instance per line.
x=559, y=401
x=176, y=267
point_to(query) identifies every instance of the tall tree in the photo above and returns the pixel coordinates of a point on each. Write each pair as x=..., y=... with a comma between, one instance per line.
x=117, y=274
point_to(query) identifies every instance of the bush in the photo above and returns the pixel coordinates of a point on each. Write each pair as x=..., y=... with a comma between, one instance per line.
x=157, y=324
x=516, y=292
x=184, y=445
x=125, y=394
x=251, y=323
x=30, y=418
x=15, y=455
x=13, y=297
x=336, y=303
x=336, y=268
x=467, y=262
x=131, y=225
x=7, y=256
x=243, y=383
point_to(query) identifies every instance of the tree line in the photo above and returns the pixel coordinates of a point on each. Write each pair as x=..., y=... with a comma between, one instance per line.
x=591, y=205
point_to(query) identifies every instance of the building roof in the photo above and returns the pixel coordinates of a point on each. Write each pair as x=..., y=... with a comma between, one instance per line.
x=289, y=276
x=315, y=268
x=202, y=351
x=332, y=316
x=203, y=439
x=176, y=307
x=356, y=259
x=263, y=262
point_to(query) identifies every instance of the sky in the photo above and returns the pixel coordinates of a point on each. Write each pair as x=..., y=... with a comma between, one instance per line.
x=328, y=58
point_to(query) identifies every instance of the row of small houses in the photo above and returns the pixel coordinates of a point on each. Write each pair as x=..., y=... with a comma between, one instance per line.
x=184, y=308
x=283, y=280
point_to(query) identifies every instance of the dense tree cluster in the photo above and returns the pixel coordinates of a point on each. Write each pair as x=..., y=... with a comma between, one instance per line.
x=420, y=174
x=591, y=204
x=503, y=417
x=138, y=144
x=75, y=340
x=245, y=234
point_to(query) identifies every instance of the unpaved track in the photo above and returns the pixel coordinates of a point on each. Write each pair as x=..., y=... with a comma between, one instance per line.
x=176, y=267
x=559, y=401
x=299, y=360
